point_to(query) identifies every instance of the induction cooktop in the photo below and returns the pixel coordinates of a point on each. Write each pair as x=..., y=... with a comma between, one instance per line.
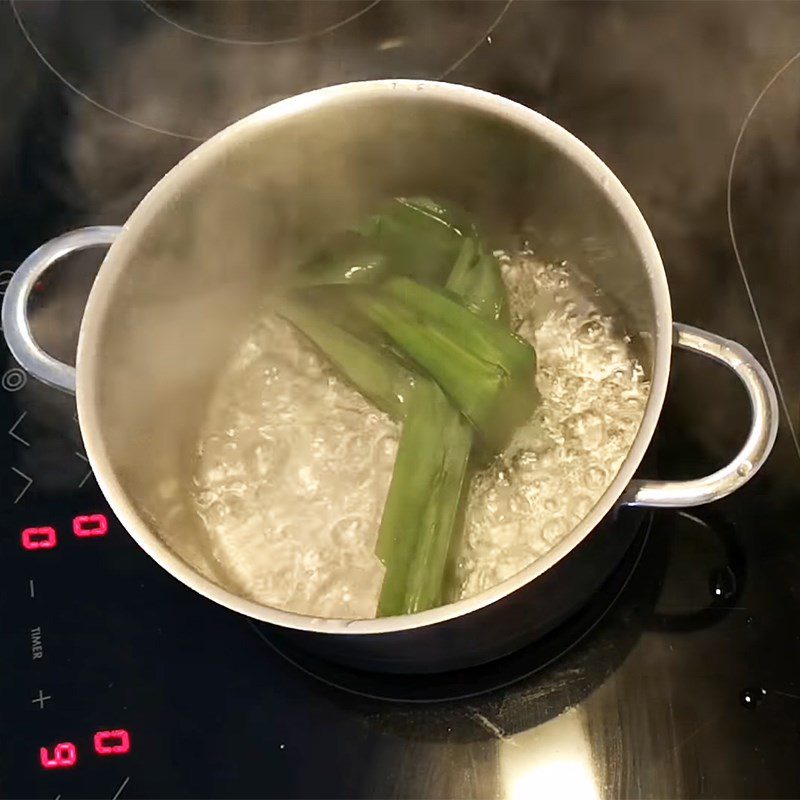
x=678, y=679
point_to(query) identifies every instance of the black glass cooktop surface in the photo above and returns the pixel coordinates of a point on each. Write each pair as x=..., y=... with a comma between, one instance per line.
x=678, y=679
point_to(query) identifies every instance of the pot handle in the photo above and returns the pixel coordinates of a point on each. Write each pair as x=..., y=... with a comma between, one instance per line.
x=16, y=326
x=763, y=429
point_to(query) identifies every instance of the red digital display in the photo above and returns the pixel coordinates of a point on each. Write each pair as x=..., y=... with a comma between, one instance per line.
x=39, y=538
x=90, y=525
x=107, y=743
x=64, y=755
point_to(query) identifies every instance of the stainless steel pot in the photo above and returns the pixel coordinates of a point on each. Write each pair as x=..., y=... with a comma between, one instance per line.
x=193, y=261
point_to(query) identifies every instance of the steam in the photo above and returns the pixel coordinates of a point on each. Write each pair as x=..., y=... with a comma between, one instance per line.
x=660, y=92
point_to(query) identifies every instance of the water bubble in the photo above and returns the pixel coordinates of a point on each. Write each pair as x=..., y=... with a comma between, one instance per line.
x=590, y=332
x=594, y=477
x=504, y=536
x=722, y=583
x=520, y=505
x=586, y=430
x=269, y=454
x=271, y=374
x=386, y=448
x=744, y=469
x=348, y=532
x=752, y=696
x=582, y=507
x=524, y=464
x=554, y=530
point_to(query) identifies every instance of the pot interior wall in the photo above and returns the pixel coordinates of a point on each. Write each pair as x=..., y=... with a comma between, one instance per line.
x=232, y=219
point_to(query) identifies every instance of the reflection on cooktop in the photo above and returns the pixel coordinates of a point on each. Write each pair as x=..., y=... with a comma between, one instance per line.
x=711, y=589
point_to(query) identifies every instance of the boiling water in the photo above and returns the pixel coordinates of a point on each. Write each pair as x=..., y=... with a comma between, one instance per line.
x=294, y=465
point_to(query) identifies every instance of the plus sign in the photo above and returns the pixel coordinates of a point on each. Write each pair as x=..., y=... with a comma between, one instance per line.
x=41, y=698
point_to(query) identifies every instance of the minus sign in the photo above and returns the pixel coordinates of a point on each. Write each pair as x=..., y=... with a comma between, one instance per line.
x=30, y=583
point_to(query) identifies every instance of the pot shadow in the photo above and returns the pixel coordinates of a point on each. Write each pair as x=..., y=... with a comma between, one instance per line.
x=542, y=680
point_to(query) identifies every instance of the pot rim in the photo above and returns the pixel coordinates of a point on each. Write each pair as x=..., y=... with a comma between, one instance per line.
x=153, y=204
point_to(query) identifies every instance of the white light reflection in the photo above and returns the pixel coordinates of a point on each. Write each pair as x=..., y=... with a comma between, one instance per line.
x=553, y=760
x=391, y=44
x=562, y=779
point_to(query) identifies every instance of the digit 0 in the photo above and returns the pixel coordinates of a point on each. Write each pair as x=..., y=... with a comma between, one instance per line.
x=39, y=538
x=90, y=525
x=108, y=743
x=64, y=755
